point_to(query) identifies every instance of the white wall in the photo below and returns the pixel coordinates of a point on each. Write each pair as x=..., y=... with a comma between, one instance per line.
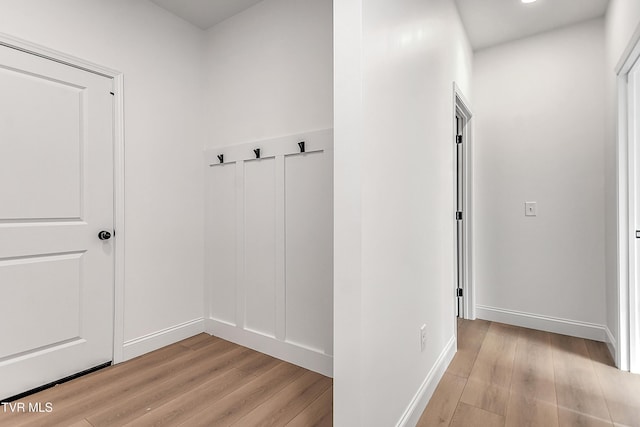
x=269, y=72
x=161, y=58
x=269, y=243
x=539, y=136
x=395, y=65
x=623, y=17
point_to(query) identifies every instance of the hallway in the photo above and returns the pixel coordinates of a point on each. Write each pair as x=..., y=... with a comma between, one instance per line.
x=509, y=376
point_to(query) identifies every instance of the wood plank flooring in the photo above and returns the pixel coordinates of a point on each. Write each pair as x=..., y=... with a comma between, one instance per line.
x=508, y=376
x=201, y=381
x=501, y=376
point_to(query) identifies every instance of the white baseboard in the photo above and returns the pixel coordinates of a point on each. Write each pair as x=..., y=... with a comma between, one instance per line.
x=144, y=344
x=574, y=328
x=419, y=402
x=307, y=358
x=610, y=340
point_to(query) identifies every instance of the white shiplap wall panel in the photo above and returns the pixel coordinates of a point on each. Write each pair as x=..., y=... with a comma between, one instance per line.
x=270, y=247
x=309, y=251
x=259, y=246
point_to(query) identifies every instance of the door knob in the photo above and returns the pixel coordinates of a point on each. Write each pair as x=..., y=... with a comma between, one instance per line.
x=104, y=235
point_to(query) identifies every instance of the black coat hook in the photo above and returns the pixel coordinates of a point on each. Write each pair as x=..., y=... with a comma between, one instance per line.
x=221, y=158
x=301, y=145
x=257, y=151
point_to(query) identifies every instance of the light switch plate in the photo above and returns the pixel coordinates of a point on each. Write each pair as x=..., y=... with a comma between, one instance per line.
x=530, y=209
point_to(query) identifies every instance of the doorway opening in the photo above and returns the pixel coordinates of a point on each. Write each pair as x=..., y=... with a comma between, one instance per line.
x=460, y=247
x=463, y=174
x=627, y=347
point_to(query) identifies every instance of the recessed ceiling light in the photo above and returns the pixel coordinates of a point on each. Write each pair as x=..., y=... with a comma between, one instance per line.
x=527, y=1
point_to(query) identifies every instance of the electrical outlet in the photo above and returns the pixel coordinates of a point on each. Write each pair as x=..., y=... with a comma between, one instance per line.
x=423, y=337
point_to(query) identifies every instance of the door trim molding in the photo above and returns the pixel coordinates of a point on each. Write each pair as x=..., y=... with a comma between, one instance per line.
x=118, y=167
x=119, y=218
x=462, y=106
x=627, y=356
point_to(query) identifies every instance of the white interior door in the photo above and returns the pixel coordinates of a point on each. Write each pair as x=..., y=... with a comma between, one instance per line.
x=56, y=195
x=634, y=288
x=460, y=250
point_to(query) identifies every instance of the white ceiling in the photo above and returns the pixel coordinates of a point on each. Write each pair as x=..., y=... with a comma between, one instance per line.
x=488, y=22
x=205, y=13
x=491, y=22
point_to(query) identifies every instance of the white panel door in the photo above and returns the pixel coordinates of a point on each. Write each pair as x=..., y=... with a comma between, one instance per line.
x=56, y=194
x=634, y=288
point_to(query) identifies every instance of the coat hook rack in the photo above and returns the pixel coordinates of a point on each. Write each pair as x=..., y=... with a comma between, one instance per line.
x=302, y=146
x=221, y=158
x=257, y=152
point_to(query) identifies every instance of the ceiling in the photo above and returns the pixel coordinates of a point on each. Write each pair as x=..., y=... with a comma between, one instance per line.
x=205, y=13
x=488, y=22
x=491, y=22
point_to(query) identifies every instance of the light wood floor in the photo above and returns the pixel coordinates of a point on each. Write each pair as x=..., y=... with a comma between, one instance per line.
x=501, y=376
x=201, y=381
x=508, y=376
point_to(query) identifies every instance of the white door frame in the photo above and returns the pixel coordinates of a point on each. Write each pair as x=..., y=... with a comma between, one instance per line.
x=627, y=355
x=462, y=107
x=118, y=172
